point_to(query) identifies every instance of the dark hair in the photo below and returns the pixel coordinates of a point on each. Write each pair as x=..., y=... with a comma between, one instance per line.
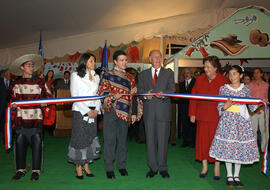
x=118, y=53
x=214, y=62
x=82, y=63
x=237, y=68
x=258, y=68
x=247, y=75
x=98, y=71
x=25, y=63
x=46, y=77
x=66, y=72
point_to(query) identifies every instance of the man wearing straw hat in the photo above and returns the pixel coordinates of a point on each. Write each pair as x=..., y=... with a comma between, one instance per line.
x=28, y=120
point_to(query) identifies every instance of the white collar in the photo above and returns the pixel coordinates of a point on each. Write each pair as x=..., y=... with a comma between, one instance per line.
x=153, y=69
x=117, y=69
x=237, y=89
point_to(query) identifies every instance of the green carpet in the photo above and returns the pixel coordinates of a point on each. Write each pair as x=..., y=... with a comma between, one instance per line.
x=184, y=171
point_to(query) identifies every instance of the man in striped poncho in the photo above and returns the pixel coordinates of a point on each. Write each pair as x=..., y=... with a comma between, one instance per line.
x=28, y=121
x=118, y=112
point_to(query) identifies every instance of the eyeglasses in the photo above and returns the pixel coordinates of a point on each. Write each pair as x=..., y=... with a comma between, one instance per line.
x=29, y=65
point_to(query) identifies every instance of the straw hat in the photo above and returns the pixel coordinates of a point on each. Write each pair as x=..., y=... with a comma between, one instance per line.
x=34, y=58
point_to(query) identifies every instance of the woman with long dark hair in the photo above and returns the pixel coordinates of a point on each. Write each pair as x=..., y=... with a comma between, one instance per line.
x=84, y=147
x=49, y=79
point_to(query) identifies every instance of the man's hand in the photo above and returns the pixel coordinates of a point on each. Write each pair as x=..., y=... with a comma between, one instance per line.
x=192, y=119
x=14, y=106
x=159, y=96
x=149, y=97
x=133, y=118
x=92, y=113
x=43, y=105
x=117, y=96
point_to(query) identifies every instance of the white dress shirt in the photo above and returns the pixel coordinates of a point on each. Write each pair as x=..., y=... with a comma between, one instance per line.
x=189, y=80
x=6, y=81
x=153, y=71
x=84, y=87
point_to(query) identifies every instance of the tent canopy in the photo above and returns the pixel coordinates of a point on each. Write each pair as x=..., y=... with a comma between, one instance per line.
x=68, y=26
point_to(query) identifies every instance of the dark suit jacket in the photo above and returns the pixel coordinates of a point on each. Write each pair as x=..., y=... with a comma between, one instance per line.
x=60, y=84
x=184, y=103
x=157, y=108
x=3, y=99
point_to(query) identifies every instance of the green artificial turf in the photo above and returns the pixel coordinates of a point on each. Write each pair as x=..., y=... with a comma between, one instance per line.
x=60, y=175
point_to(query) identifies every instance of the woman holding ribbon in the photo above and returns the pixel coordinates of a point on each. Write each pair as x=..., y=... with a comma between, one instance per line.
x=84, y=147
x=234, y=141
x=205, y=112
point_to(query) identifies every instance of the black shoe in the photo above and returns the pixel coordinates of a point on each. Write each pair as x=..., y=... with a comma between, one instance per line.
x=123, y=172
x=78, y=176
x=216, y=177
x=164, y=174
x=18, y=175
x=203, y=175
x=230, y=183
x=110, y=175
x=34, y=176
x=150, y=174
x=238, y=183
x=89, y=175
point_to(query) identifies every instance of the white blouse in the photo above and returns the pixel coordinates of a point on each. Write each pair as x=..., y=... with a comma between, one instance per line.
x=84, y=87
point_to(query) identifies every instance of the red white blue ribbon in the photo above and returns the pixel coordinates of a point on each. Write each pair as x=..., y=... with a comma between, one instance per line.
x=217, y=98
x=48, y=101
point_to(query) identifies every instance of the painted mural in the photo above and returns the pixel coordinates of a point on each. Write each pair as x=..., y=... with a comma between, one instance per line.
x=244, y=35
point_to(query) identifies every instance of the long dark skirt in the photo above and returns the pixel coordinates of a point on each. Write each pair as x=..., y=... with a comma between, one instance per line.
x=84, y=145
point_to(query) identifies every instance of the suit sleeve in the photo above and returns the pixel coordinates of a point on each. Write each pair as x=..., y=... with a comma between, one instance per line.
x=141, y=89
x=170, y=84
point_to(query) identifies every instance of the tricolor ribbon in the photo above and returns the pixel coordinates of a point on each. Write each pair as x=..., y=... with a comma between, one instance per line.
x=48, y=101
x=216, y=98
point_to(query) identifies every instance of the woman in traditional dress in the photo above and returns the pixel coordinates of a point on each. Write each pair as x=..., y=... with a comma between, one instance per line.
x=234, y=141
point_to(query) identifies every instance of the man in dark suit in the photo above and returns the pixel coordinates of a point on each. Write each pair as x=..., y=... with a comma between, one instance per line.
x=4, y=84
x=188, y=128
x=156, y=113
x=65, y=82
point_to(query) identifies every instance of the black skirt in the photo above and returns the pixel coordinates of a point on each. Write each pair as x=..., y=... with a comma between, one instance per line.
x=84, y=145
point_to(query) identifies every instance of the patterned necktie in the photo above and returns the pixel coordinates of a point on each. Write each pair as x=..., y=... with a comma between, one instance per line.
x=155, y=77
x=6, y=83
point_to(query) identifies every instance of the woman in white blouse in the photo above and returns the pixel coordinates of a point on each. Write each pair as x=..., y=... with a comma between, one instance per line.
x=84, y=146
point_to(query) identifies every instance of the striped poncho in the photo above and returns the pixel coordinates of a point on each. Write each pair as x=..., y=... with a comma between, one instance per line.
x=114, y=82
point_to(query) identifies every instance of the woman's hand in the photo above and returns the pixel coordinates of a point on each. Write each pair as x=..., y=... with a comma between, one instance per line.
x=92, y=113
x=133, y=118
x=228, y=104
x=192, y=119
x=265, y=100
